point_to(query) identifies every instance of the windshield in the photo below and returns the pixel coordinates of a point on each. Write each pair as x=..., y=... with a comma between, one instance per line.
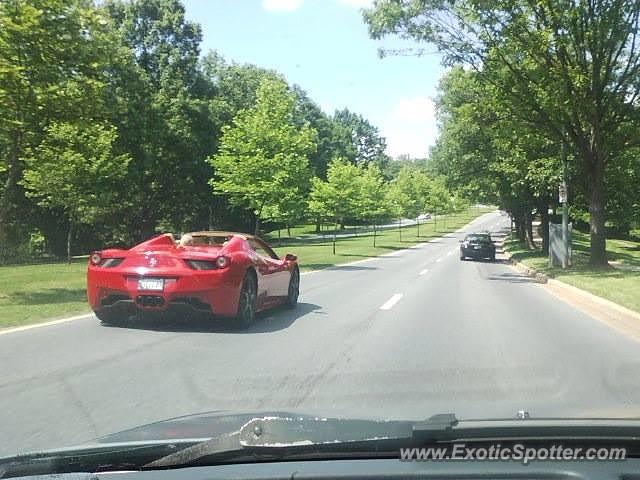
x=478, y=238
x=337, y=208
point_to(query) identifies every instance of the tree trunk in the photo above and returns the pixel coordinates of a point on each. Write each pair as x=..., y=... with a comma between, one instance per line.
x=418, y=224
x=257, y=229
x=435, y=220
x=529, y=230
x=69, y=238
x=544, y=225
x=518, y=221
x=8, y=199
x=598, y=249
x=334, y=238
x=400, y=228
x=288, y=231
x=374, y=235
x=318, y=226
x=280, y=238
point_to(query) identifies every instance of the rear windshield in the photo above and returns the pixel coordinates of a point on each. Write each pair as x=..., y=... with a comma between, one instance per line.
x=479, y=238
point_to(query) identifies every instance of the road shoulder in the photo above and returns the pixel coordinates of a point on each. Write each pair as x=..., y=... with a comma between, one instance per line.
x=614, y=315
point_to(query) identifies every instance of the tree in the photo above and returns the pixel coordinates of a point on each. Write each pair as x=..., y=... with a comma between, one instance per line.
x=53, y=64
x=366, y=143
x=162, y=110
x=439, y=198
x=336, y=199
x=331, y=142
x=262, y=163
x=565, y=67
x=372, y=190
x=74, y=169
x=489, y=155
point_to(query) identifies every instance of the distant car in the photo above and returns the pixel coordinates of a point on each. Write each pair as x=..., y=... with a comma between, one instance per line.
x=424, y=216
x=208, y=273
x=477, y=245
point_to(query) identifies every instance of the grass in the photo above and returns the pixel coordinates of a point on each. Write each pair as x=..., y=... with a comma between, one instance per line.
x=309, y=230
x=314, y=255
x=30, y=293
x=33, y=293
x=620, y=285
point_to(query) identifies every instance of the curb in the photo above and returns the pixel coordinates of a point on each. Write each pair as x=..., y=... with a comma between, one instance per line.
x=612, y=314
x=531, y=272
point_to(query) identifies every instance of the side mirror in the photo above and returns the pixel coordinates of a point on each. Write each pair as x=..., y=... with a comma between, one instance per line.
x=290, y=257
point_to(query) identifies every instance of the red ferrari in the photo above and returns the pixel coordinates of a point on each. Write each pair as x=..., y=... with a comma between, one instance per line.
x=211, y=273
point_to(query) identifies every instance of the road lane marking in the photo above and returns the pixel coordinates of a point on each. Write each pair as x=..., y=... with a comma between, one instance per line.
x=45, y=324
x=450, y=253
x=424, y=272
x=395, y=298
x=438, y=260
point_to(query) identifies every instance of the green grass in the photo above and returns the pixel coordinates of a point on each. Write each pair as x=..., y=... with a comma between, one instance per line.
x=314, y=255
x=620, y=285
x=309, y=230
x=33, y=293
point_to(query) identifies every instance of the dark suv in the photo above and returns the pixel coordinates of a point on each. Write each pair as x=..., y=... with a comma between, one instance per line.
x=478, y=245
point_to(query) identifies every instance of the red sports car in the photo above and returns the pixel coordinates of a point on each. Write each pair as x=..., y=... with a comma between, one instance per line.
x=212, y=273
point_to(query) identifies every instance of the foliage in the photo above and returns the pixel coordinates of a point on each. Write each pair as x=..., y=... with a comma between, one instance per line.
x=263, y=161
x=564, y=68
x=73, y=169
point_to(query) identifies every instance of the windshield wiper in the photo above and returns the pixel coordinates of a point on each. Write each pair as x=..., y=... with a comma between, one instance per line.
x=270, y=437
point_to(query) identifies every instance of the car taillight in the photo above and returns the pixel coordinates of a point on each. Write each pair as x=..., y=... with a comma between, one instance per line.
x=222, y=262
x=201, y=264
x=95, y=258
x=218, y=263
x=111, y=262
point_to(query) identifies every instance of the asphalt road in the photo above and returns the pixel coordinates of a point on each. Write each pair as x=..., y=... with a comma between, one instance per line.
x=407, y=335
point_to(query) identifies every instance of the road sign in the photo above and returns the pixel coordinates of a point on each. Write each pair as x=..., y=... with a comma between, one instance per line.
x=562, y=192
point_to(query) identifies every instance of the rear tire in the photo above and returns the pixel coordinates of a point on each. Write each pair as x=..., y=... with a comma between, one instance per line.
x=247, y=303
x=294, y=288
x=108, y=317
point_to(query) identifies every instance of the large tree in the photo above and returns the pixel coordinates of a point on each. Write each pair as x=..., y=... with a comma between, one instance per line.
x=362, y=141
x=74, y=169
x=161, y=108
x=567, y=67
x=263, y=160
x=488, y=154
x=53, y=66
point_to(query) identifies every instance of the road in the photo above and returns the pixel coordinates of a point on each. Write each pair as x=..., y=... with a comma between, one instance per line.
x=407, y=335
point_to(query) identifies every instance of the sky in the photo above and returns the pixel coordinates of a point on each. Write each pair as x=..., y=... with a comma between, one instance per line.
x=323, y=46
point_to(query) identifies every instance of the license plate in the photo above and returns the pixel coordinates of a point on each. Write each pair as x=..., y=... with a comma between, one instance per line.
x=156, y=284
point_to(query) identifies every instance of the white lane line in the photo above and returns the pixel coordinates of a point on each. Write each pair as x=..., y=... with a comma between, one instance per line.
x=45, y=324
x=450, y=253
x=438, y=260
x=424, y=272
x=395, y=298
